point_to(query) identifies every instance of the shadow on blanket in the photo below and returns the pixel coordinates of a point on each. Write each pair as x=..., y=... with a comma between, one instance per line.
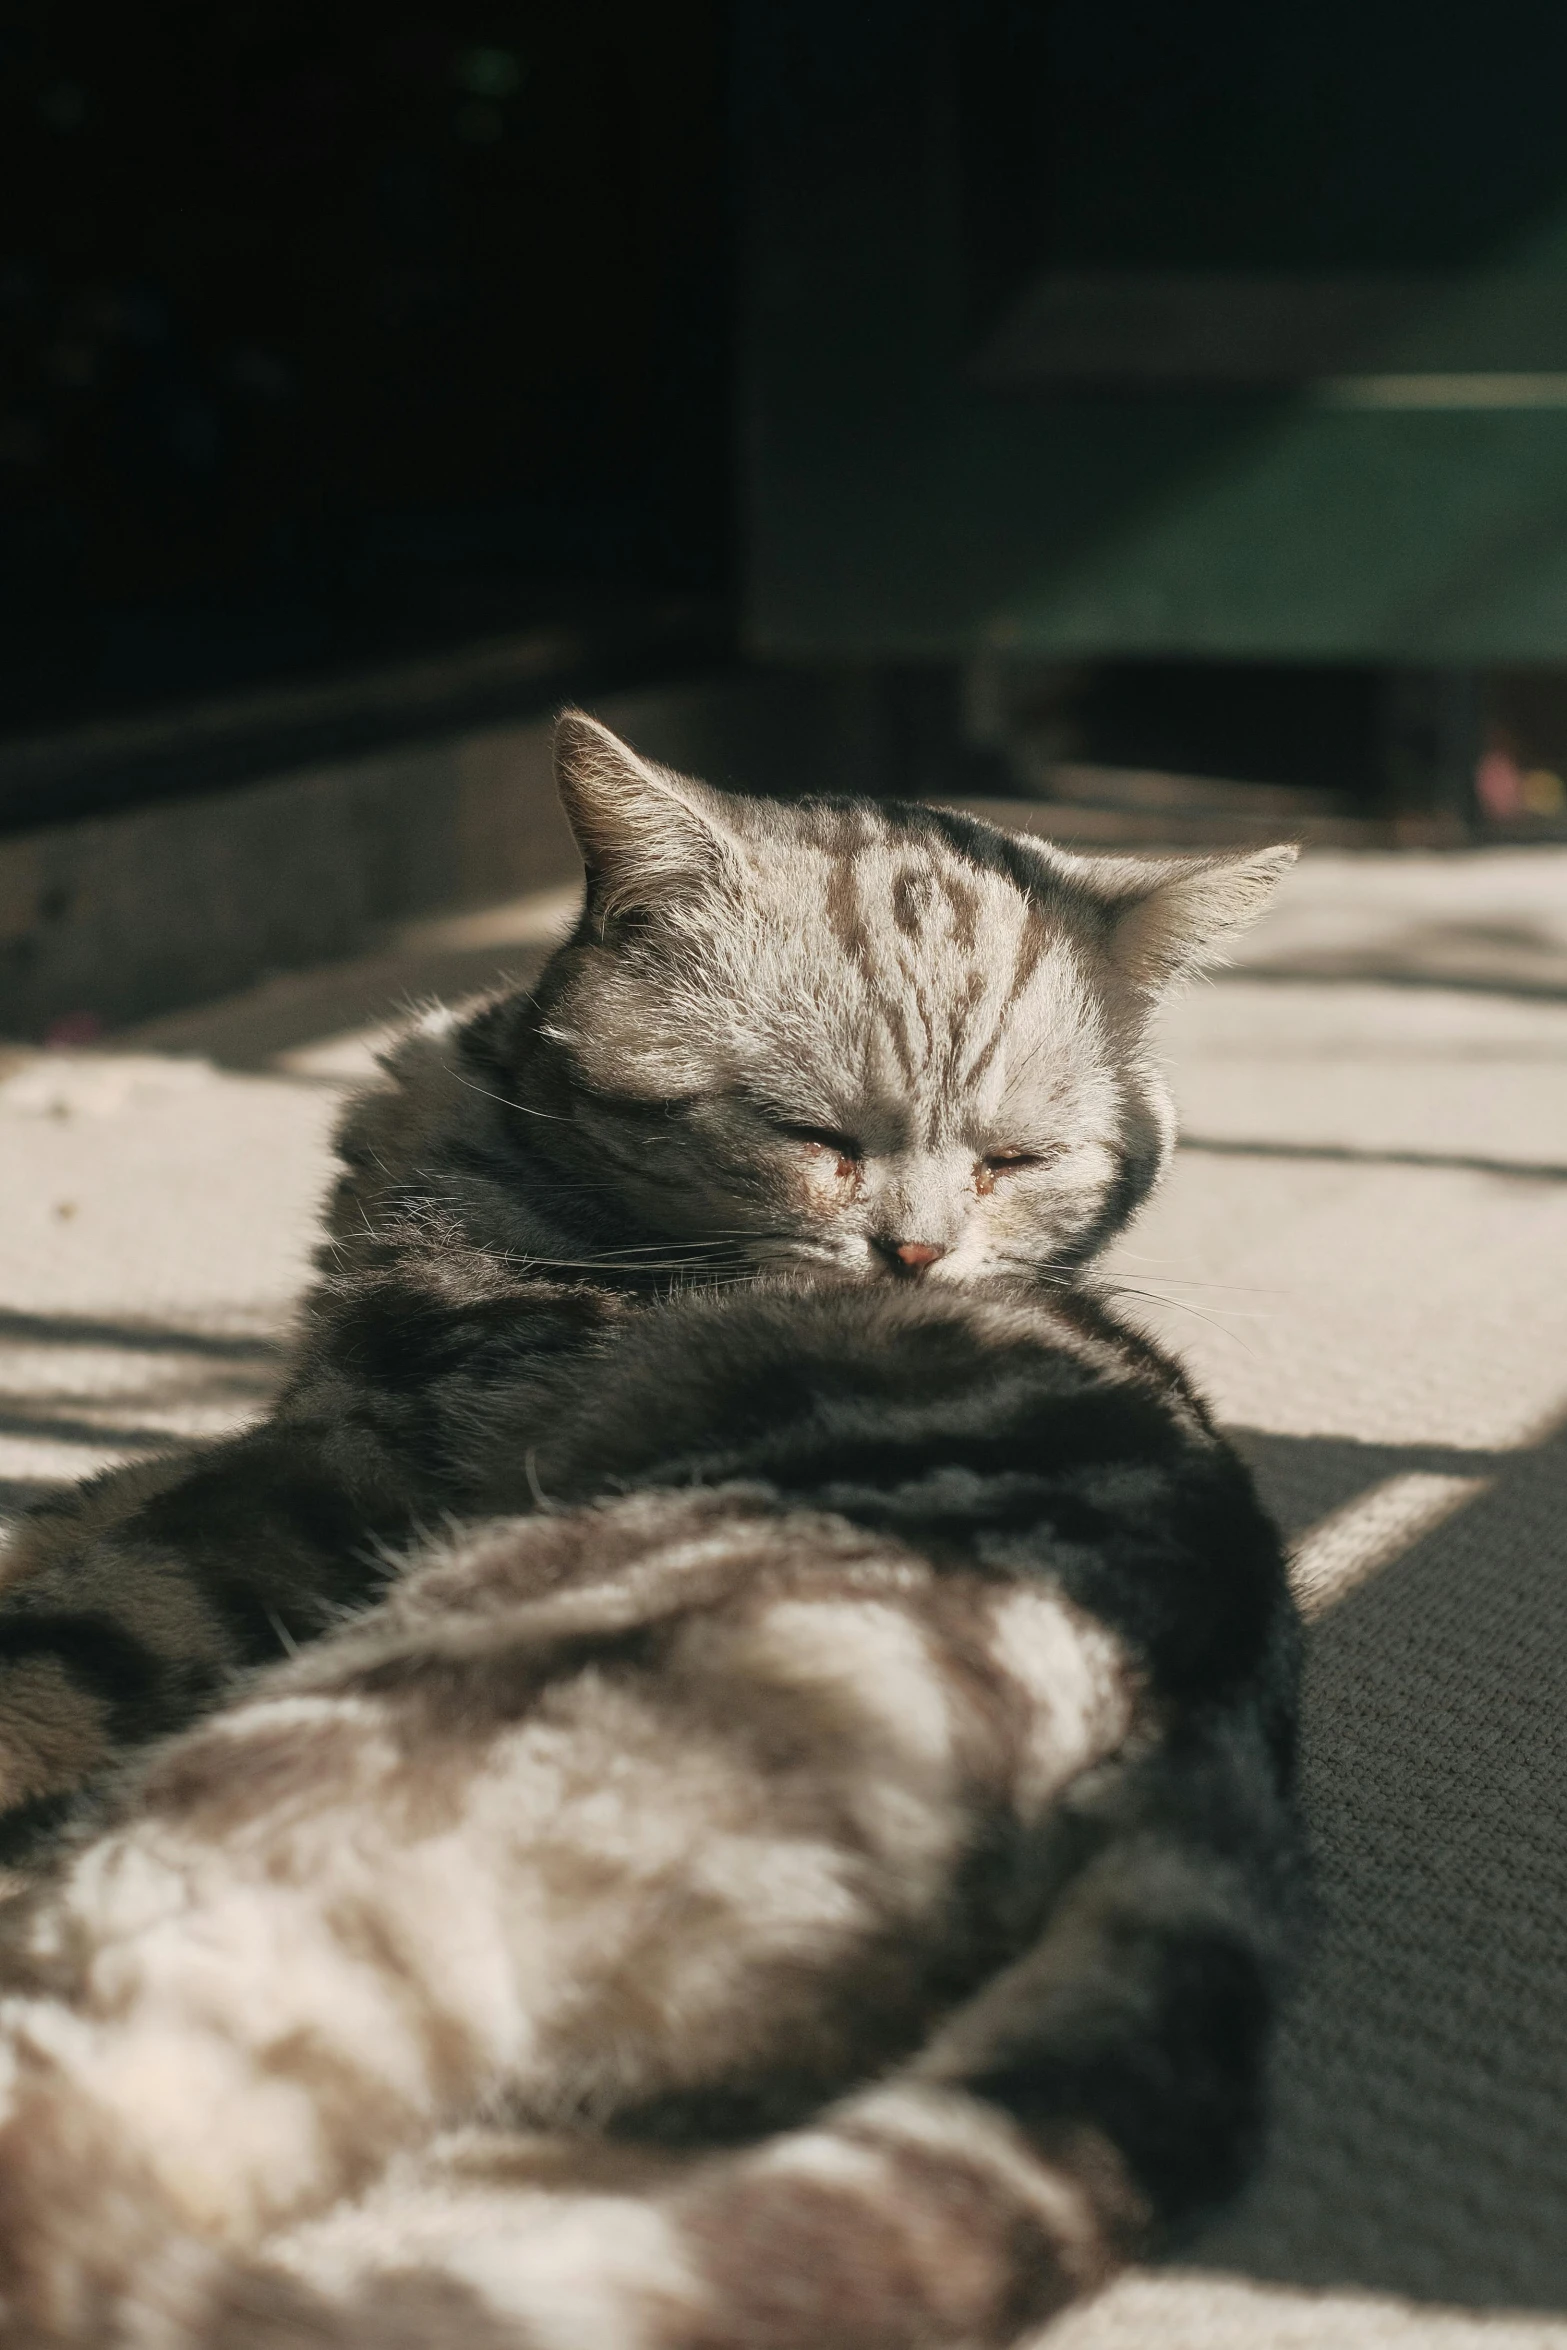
x=1421, y=2136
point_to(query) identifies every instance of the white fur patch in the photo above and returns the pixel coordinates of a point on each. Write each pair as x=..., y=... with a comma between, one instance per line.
x=878, y=1656
x=782, y=1889
x=578, y=2271
x=415, y=2212
x=124, y=1886
x=233, y=2151
x=263, y=1717
x=875, y=1651
x=657, y=1822
x=1078, y=1682
x=437, y=1020
x=597, y=2274
x=949, y=2122
x=40, y=2026
x=826, y=2158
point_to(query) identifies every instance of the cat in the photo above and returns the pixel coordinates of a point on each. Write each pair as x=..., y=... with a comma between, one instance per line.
x=887, y=1040
x=819, y=1878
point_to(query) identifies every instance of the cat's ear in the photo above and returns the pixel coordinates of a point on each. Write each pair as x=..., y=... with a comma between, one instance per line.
x=646, y=834
x=1178, y=918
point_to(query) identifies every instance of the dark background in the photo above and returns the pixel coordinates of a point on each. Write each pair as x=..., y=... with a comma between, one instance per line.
x=336, y=337
x=330, y=332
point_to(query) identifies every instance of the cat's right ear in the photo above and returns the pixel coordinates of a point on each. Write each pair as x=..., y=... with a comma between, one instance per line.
x=646, y=834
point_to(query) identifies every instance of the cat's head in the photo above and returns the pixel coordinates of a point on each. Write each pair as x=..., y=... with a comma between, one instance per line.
x=887, y=1039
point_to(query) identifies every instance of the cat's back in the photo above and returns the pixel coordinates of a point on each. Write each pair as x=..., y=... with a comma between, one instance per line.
x=1028, y=1437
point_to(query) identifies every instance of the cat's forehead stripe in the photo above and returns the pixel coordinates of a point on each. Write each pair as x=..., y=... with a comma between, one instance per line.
x=946, y=951
x=875, y=897
x=1031, y=943
x=912, y=893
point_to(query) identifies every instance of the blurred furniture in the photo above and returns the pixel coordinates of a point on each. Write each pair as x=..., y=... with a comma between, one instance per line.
x=1101, y=331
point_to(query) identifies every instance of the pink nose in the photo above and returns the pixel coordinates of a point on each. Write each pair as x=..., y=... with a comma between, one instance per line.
x=915, y=1255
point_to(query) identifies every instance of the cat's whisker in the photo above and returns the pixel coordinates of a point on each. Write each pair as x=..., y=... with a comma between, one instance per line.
x=1232, y=1288
x=653, y=1247
x=701, y=1267
x=527, y=1108
x=286, y=1640
x=1108, y=1282
x=1183, y=1305
x=1198, y=1280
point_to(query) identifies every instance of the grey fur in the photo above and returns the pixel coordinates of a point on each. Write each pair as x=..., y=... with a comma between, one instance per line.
x=748, y=974
x=803, y=1035
x=850, y=1870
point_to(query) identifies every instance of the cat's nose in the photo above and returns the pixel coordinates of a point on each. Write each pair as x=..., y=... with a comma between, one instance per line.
x=910, y=1256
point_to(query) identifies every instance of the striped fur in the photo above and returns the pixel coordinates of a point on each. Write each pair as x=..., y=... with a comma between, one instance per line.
x=827, y=1894
x=783, y=1034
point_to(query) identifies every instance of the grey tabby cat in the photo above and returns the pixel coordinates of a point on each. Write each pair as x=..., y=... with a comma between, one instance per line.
x=831, y=1895
x=885, y=1041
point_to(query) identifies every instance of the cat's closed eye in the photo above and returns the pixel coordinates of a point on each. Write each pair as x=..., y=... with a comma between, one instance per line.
x=823, y=1138
x=1013, y=1157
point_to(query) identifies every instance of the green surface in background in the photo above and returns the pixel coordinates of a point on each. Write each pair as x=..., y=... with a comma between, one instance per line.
x=899, y=509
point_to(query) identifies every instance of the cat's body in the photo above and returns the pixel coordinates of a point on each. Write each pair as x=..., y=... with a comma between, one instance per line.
x=848, y=1871
x=887, y=1042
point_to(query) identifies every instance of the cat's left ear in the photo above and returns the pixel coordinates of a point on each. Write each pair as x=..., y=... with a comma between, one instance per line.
x=1179, y=918
x=646, y=834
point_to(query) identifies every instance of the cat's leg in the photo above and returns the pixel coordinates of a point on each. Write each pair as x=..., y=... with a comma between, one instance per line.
x=1085, y=2105
x=1090, y=2101
x=128, y=1606
x=583, y=1870
x=902, y=2220
x=60, y=1670
x=588, y=1853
